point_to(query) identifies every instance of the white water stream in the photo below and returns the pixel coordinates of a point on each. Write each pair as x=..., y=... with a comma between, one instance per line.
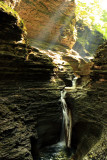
x=74, y=82
x=67, y=115
x=54, y=152
x=67, y=120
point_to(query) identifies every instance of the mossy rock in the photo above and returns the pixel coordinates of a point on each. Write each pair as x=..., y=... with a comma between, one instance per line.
x=4, y=8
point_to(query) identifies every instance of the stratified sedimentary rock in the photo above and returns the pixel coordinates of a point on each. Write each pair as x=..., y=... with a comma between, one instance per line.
x=29, y=99
x=30, y=110
x=49, y=21
x=89, y=108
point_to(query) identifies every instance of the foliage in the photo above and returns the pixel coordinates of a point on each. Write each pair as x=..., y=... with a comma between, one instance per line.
x=8, y=9
x=104, y=16
x=92, y=15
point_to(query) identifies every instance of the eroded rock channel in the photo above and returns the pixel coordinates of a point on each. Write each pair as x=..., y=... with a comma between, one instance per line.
x=52, y=102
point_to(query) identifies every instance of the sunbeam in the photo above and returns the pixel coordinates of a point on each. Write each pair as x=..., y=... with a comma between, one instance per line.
x=67, y=21
x=61, y=15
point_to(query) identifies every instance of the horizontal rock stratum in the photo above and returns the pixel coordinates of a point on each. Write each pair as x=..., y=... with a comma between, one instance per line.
x=49, y=21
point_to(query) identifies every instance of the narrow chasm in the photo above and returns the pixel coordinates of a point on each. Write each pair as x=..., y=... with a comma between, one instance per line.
x=53, y=80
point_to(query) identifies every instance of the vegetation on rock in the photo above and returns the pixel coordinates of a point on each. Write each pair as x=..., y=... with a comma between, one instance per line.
x=88, y=39
x=5, y=8
x=93, y=15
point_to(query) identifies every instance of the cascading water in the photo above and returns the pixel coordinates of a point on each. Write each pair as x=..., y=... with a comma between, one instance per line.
x=57, y=151
x=67, y=120
x=74, y=82
x=67, y=116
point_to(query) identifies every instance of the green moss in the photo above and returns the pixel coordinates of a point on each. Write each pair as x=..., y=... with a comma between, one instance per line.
x=5, y=8
x=8, y=9
x=22, y=25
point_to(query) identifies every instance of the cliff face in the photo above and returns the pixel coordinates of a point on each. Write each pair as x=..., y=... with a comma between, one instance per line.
x=29, y=100
x=30, y=110
x=90, y=112
x=49, y=21
x=27, y=111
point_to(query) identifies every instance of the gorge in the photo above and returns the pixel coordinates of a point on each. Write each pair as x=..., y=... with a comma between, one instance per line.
x=42, y=72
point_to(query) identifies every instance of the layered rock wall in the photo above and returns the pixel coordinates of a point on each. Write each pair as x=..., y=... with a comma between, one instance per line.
x=30, y=112
x=49, y=21
x=29, y=100
x=89, y=109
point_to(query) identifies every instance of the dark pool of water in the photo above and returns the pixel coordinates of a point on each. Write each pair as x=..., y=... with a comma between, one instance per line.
x=56, y=152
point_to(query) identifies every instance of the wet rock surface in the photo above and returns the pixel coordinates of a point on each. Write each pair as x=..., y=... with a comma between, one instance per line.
x=89, y=121
x=27, y=111
x=89, y=111
x=30, y=109
x=56, y=152
x=29, y=100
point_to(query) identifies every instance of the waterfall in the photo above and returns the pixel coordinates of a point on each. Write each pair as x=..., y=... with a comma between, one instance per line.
x=67, y=119
x=74, y=80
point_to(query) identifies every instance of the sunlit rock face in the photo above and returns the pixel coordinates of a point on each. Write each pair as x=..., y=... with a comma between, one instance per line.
x=89, y=111
x=49, y=21
x=68, y=62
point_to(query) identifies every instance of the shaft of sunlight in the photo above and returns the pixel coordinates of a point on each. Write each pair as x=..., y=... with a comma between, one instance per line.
x=66, y=22
x=48, y=28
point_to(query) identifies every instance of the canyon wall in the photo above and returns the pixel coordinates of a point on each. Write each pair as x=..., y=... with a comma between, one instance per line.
x=30, y=109
x=49, y=21
x=89, y=111
x=29, y=100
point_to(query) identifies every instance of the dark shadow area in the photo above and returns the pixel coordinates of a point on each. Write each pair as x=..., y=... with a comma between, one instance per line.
x=84, y=136
x=34, y=148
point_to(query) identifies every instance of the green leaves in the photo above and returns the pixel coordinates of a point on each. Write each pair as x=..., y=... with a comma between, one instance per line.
x=92, y=15
x=104, y=16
